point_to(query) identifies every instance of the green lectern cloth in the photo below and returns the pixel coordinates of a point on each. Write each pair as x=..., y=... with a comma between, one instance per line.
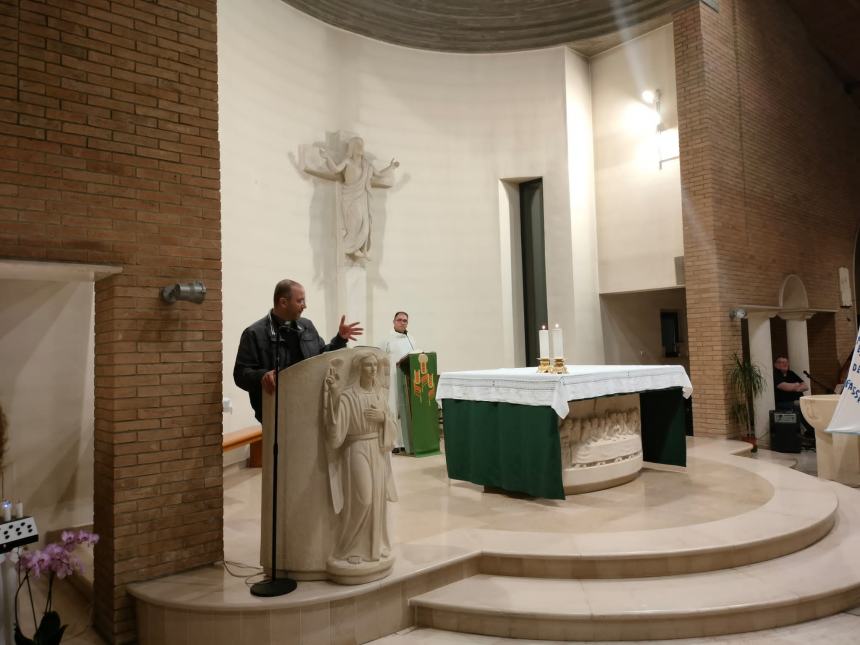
x=420, y=423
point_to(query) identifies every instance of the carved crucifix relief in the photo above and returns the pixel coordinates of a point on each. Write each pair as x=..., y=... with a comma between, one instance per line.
x=355, y=176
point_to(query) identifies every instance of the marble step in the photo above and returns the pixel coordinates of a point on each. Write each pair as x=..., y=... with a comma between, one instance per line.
x=820, y=580
x=839, y=629
x=800, y=511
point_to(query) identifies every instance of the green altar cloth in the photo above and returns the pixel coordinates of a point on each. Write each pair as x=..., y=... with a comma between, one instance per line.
x=504, y=445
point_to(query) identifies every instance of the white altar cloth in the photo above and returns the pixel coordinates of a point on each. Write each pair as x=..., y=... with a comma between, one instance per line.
x=524, y=386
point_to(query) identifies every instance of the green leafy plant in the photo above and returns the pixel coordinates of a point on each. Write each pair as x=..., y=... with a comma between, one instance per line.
x=746, y=383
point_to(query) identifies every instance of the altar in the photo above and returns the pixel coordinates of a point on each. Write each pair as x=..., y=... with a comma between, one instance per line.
x=550, y=434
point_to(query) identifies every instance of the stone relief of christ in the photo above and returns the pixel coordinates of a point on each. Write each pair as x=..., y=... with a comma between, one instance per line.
x=355, y=176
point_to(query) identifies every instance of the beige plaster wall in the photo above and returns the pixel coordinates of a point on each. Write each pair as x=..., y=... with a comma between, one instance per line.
x=639, y=226
x=631, y=325
x=457, y=123
x=46, y=388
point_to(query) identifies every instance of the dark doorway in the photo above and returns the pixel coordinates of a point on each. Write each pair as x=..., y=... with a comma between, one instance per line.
x=856, y=276
x=670, y=333
x=778, y=339
x=823, y=359
x=534, y=265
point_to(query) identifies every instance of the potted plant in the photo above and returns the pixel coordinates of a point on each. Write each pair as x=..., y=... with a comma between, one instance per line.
x=58, y=560
x=746, y=383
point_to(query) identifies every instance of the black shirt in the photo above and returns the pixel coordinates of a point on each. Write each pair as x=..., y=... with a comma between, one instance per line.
x=288, y=329
x=782, y=397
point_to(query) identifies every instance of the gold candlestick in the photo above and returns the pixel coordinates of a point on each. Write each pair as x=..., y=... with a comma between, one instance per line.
x=559, y=366
x=544, y=366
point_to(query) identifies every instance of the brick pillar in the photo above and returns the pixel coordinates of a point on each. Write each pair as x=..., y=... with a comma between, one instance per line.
x=709, y=137
x=109, y=149
x=768, y=186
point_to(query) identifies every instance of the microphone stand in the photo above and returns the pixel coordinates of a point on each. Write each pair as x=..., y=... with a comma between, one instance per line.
x=275, y=586
x=817, y=382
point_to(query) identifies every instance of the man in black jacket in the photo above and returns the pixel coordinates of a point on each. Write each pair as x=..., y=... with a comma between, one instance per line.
x=254, y=370
x=788, y=386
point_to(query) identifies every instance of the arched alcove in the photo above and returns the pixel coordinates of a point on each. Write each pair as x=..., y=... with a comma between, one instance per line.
x=792, y=296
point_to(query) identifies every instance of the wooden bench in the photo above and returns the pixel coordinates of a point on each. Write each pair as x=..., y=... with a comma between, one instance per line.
x=251, y=436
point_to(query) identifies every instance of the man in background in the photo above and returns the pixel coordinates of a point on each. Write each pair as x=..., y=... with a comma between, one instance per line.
x=397, y=344
x=254, y=370
x=788, y=388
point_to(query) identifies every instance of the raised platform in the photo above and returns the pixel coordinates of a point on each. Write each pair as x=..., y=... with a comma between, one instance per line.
x=729, y=545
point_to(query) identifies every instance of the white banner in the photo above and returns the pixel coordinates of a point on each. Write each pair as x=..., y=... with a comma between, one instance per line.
x=846, y=418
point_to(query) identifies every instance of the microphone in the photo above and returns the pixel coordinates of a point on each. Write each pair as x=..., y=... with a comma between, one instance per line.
x=282, y=329
x=828, y=388
x=287, y=326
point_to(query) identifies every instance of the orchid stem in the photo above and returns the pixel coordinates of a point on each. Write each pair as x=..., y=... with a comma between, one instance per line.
x=32, y=604
x=50, y=591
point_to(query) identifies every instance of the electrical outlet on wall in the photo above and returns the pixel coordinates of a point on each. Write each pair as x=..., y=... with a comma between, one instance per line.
x=17, y=532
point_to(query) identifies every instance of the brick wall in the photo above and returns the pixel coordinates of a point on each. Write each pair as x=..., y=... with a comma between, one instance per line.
x=108, y=129
x=768, y=170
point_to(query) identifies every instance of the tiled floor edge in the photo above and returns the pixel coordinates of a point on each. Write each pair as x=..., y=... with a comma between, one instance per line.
x=390, y=606
x=697, y=624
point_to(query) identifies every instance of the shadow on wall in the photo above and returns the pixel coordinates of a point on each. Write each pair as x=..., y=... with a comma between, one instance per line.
x=46, y=387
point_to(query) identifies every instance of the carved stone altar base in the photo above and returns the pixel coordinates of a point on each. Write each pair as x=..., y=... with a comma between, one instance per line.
x=601, y=443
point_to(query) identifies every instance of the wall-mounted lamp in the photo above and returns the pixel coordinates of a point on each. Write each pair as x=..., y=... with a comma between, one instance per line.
x=667, y=138
x=652, y=97
x=738, y=313
x=189, y=291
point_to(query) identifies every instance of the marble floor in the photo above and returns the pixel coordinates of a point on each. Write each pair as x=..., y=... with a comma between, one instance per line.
x=431, y=505
x=841, y=629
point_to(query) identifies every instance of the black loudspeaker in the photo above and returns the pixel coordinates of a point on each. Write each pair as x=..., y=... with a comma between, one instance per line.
x=784, y=431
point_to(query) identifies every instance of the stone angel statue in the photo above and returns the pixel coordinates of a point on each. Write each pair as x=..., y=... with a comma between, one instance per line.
x=360, y=434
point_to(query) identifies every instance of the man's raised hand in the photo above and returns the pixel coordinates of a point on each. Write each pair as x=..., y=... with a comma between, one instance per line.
x=349, y=331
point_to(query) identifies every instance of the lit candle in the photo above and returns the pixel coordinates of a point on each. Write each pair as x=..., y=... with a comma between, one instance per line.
x=557, y=342
x=19, y=509
x=543, y=339
x=7, y=510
